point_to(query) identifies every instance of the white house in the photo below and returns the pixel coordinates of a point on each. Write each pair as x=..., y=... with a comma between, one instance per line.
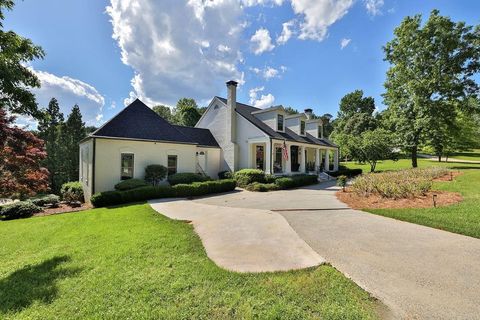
x=229, y=136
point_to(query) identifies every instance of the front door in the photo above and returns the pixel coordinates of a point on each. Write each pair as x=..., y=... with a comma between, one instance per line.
x=295, y=165
x=259, y=157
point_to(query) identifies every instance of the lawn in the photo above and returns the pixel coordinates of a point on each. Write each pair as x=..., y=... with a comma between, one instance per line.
x=133, y=263
x=463, y=218
x=473, y=155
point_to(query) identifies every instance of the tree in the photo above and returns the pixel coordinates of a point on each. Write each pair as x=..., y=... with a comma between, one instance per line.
x=290, y=110
x=15, y=76
x=75, y=131
x=431, y=73
x=187, y=113
x=49, y=129
x=327, y=124
x=20, y=156
x=164, y=112
x=355, y=115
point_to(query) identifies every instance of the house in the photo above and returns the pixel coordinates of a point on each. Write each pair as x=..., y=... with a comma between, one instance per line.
x=229, y=136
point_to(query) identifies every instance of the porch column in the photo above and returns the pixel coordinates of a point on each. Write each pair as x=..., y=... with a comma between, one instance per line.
x=288, y=163
x=268, y=157
x=327, y=160
x=335, y=160
x=317, y=159
x=302, y=159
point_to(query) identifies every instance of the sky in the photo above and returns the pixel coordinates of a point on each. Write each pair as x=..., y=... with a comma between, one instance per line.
x=301, y=53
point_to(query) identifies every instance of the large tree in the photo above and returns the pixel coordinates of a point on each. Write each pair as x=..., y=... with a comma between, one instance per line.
x=431, y=73
x=75, y=131
x=49, y=129
x=20, y=156
x=164, y=111
x=186, y=112
x=15, y=76
x=355, y=115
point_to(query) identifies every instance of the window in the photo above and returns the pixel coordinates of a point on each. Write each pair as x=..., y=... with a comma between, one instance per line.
x=259, y=156
x=302, y=127
x=320, y=132
x=127, y=166
x=172, y=164
x=280, y=122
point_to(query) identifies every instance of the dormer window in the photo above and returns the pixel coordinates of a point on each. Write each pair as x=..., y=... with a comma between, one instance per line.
x=280, y=122
x=302, y=127
x=320, y=132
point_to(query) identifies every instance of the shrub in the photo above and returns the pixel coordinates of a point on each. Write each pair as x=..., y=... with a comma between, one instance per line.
x=186, y=178
x=130, y=184
x=398, y=184
x=270, y=178
x=296, y=181
x=246, y=176
x=155, y=173
x=342, y=182
x=72, y=191
x=51, y=199
x=261, y=187
x=225, y=175
x=21, y=209
x=110, y=198
x=344, y=171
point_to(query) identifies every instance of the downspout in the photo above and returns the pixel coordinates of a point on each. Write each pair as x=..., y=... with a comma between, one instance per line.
x=271, y=152
x=93, y=165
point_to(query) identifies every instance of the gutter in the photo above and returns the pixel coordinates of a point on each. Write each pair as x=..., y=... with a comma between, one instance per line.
x=93, y=165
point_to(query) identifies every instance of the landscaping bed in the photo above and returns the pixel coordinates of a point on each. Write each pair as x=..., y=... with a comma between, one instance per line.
x=257, y=180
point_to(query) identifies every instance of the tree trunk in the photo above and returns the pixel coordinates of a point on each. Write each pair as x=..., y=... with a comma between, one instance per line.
x=414, y=157
x=439, y=158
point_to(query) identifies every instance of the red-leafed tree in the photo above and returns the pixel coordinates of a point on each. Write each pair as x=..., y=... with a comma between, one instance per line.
x=20, y=155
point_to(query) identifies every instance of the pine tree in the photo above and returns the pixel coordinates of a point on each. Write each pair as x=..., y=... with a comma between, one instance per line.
x=49, y=131
x=75, y=131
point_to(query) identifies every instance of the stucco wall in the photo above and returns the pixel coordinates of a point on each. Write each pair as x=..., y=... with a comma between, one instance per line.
x=86, y=168
x=215, y=119
x=108, y=151
x=212, y=159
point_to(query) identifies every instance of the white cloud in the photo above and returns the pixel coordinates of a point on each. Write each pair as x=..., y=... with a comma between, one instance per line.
x=69, y=91
x=251, y=3
x=344, y=42
x=268, y=72
x=223, y=48
x=262, y=41
x=374, y=6
x=166, y=45
x=318, y=15
x=264, y=101
x=286, y=32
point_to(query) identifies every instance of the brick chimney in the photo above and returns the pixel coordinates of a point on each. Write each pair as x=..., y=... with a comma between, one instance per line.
x=308, y=112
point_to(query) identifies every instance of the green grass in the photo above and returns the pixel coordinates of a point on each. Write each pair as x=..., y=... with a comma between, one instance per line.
x=473, y=155
x=463, y=218
x=132, y=263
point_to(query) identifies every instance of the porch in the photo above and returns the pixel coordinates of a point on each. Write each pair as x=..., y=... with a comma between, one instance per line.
x=302, y=158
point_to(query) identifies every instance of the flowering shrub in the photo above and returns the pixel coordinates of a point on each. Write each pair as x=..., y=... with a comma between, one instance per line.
x=398, y=184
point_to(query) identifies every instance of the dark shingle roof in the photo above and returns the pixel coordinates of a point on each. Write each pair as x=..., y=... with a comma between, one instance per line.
x=138, y=121
x=246, y=111
x=202, y=136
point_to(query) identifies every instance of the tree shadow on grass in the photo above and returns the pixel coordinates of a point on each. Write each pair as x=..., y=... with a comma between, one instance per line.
x=33, y=283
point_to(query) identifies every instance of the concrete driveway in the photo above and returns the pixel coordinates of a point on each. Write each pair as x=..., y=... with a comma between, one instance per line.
x=418, y=272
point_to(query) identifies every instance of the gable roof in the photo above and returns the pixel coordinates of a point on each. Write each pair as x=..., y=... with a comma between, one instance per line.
x=246, y=111
x=138, y=122
x=202, y=136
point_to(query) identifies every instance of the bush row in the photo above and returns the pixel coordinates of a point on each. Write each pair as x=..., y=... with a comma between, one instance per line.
x=51, y=200
x=17, y=210
x=296, y=181
x=110, y=198
x=72, y=191
x=344, y=171
x=186, y=177
x=245, y=177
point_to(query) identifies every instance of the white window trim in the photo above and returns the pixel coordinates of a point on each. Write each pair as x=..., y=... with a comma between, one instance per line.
x=133, y=167
x=300, y=127
x=176, y=162
x=276, y=122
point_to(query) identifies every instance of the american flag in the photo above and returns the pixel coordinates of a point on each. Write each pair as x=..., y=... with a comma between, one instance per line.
x=285, y=151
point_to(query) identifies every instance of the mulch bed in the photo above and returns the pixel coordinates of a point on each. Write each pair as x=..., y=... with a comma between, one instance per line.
x=444, y=198
x=63, y=208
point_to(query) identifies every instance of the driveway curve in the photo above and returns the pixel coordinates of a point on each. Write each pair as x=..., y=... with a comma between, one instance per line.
x=417, y=271
x=241, y=240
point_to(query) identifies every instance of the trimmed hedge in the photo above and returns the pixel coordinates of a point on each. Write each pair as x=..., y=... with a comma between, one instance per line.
x=262, y=187
x=72, y=191
x=186, y=177
x=51, y=199
x=17, y=210
x=344, y=171
x=296, y=181
x=110, y=198
x=225, y=175
x=130, y=184
x=246, y=176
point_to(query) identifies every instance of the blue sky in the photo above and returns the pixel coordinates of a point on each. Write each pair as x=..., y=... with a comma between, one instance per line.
x=102, y=54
